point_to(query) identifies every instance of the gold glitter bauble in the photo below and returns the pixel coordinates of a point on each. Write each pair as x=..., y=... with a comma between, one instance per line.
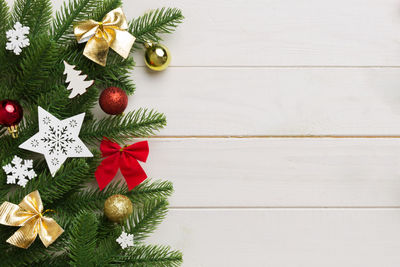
x=117, y=208
x=157, y=56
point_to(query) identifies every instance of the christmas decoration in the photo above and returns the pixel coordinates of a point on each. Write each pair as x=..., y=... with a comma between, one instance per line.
x=76, y=80
x=117, y=208
x=10, y=115
x=100, y=36
x=125, y=240
x=126, y=159
x=17, y=38
x=113, y=100
x=20, y=170
x=36, y=78
x=157, y=57
x=29, y=216
x=57, y=140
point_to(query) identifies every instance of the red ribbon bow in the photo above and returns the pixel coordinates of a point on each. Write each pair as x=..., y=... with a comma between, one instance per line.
x=126, y=159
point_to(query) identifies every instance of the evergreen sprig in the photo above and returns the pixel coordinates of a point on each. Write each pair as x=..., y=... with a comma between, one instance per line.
x=4, y=20
x=93, y=199
x=160, y=21
x=104, y=7
x=139, y=123
x=153, y=256
x=74, y=11
x=146, y=217
x=83, y=240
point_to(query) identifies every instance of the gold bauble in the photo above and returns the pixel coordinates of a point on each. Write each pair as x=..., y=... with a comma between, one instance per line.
x=157, y=56
x=117, y=208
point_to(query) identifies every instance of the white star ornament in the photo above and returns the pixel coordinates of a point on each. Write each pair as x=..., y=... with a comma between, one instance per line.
x=57, y=139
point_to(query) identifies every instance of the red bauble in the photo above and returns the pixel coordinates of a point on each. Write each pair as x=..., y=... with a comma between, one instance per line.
x=10, y=113
x=113, y=100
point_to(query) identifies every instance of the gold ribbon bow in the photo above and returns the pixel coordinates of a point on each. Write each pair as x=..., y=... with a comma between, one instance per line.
x=100, y=36
x=29, y=215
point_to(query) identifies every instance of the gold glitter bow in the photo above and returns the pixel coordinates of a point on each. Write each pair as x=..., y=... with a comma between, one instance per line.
x=100, y=36
x=29, y=215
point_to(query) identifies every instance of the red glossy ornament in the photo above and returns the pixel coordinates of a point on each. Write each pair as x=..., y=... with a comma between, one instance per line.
x=10, y=115
x=113, y=100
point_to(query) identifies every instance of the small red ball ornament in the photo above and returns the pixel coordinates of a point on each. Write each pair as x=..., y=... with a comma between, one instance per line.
x=113, y=100
x=10, y=115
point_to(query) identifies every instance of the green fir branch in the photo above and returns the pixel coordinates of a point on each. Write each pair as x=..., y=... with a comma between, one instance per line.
x=93, y=199
x=17, y=257
x=35, y=68
x=74, y=11
x=149, y=26
x=83, y=240
x=146, y=217
x=4, y=21
x=40, y=23
x=152, y=256
x=73, y=174
x=105, y=7
x=139, y=123
x=20, y=11
x=36, y=14
x=118, y=73
x=109, y=250
x=84, y=102
x=150, y=190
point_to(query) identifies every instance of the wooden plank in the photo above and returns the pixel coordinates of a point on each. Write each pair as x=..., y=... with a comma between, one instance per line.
x=277, y=101
x=281, y=32
x=284, y=237
x=278, y=172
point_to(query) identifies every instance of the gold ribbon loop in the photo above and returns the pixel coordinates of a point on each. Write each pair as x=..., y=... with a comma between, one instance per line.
x=29, y=215
x=100, y=36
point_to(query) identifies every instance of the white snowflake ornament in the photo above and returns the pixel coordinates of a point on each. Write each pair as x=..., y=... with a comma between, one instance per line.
x=20, y=170
x=57, y=139
x=125, y=240
x=17, y=38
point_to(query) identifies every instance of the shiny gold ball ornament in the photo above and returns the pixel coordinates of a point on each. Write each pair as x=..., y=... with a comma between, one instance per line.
x=156, y=56
x=117, y=208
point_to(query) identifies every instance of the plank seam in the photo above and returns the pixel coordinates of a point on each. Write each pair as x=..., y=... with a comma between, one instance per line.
x=282, y=67
x=275, y=136
x=283, y=207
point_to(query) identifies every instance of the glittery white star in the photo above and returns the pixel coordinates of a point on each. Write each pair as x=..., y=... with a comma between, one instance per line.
x=57, y=140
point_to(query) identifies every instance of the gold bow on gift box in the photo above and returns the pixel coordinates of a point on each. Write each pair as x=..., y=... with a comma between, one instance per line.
x=29, y=215
x=100, y=36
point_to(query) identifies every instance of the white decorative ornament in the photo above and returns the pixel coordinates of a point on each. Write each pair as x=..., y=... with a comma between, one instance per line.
x=20, y=170
x=76, y=80
x=17, y=38
x=57, y=139
x=125, y=240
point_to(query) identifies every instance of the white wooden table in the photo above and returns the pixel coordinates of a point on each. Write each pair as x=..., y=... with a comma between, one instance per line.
x=283, y=137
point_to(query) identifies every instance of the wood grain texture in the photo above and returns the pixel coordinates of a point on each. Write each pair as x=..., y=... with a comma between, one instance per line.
x=282, y=32
x=276, y=172
x=278, y=67
x=272, y=101
x=284, y=237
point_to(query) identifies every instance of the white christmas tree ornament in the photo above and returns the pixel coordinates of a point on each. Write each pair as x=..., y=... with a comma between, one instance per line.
x=17, y=38
x=57, y=139
x=20, y=170
x=125, y=240
x=76, y=80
